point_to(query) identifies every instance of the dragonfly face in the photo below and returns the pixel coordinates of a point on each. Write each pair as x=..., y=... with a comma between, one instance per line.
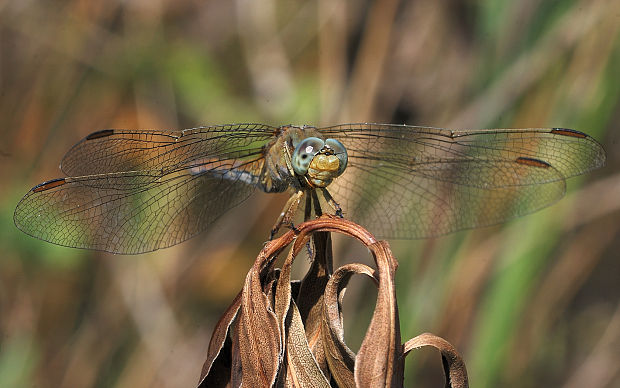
x=129, y=191
x=318, y=161
x=299, y=159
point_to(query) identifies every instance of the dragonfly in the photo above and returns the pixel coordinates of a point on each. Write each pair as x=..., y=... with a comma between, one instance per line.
x=136, y=191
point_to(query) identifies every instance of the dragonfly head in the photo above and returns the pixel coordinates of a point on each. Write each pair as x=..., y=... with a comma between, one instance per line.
x=319, y=161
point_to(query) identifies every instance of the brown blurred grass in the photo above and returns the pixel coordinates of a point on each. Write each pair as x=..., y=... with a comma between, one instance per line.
x=531, y=304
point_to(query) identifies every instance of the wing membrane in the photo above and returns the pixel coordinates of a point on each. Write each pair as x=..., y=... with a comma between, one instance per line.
x=134, y=212
x=137, y=191
x=114, y=151
x=132, y=191
x=413, y=182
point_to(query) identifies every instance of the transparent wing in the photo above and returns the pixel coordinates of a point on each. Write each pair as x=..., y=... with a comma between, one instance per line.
x=108, y=213
x=414, y=182
x=120, y=150
x=137, y=191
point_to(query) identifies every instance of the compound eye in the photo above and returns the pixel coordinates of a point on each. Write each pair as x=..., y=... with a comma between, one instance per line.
x=304, y=152
x=340, y=152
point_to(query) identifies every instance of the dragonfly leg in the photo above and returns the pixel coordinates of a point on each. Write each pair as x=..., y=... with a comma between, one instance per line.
x=309, y=250
x=317, y=205
x=286, y=217
x=330, y=200
x=308, y=208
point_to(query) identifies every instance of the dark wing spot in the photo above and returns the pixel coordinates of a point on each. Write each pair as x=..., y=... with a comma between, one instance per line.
x=99, y=134
x=568, y=132
x=532, y=162
x=49, y=185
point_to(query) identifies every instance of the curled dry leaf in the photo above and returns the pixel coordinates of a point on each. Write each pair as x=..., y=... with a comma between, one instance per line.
x=340, y=358
x=216, y=368
x=453, y=364
x=302, y=367
x=283, y=333
x=310, y=296
x=378, y=360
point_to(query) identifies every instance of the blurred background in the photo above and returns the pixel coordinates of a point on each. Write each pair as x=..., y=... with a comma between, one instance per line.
x=533, y=303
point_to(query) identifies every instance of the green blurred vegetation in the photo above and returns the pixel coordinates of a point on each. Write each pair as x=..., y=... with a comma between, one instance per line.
x=534, y=303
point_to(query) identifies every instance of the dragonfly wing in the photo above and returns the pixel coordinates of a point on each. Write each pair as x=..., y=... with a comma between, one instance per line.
x=120, y=213
x=120, y=150
x=414, y=182
x=398, y=202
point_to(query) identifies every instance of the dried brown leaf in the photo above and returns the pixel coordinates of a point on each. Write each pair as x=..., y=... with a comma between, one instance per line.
x=214, y=374
x=264, y=339
x=378, y=361
x=453, y=364
x=257, y=328
x=236, y=368
x=303, y=369
x=283, y=292
x=340, y=358
x=310, y=296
